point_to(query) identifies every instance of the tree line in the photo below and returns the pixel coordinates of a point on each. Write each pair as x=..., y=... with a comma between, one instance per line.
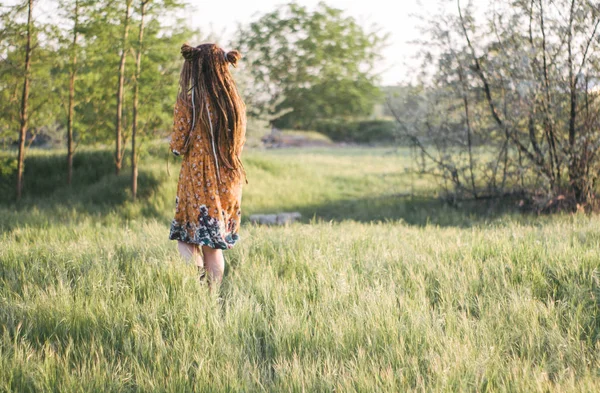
x=104, y=71
x=95, y=70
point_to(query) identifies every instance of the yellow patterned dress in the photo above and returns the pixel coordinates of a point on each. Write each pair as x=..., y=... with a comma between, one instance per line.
x=208, y=201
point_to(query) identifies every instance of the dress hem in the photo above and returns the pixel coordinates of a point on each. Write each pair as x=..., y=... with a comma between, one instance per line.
x=202, y=237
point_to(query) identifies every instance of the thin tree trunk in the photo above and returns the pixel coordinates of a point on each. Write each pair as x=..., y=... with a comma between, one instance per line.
x=574, y=172
x=468, y=123
x=118, y=136
x=72, y=98
x=138, y=68
x=24, y=104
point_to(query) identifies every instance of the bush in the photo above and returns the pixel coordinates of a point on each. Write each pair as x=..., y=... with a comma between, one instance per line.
x=8, y=174
x=46, y=172
x=376, y=131
x=371, y=131
x=336, y=130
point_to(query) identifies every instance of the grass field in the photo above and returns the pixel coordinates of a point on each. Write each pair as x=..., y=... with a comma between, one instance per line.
x=379, y=288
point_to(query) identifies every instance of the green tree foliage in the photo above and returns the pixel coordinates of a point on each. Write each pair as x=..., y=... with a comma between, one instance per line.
x=13, y=38
x=318, y=63
x=76, y=66
x=99, y=77
x=98, y=50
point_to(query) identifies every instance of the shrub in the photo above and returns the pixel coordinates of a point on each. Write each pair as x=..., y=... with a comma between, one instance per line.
x=46, y=172
x=8, y=170
x=376, y=131
x=371, y=131
x=336, y=130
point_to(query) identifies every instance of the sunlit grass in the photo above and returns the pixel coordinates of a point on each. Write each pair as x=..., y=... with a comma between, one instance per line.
x=385, y=291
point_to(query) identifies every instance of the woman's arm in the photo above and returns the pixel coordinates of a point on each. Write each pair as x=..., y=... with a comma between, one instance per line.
x=182, y=123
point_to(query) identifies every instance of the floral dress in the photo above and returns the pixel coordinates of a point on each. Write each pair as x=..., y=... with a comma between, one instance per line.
x=208, y=201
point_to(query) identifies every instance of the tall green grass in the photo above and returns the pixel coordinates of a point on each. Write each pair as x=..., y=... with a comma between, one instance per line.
x=373, y=291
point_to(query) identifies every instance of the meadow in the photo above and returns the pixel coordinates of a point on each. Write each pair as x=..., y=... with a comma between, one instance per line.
x=379, y=287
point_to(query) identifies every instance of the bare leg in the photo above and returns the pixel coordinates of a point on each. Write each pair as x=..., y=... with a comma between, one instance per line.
x=191, y=253
x=214, y=263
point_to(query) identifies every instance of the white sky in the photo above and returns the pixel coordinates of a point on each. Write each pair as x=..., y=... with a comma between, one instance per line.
x=392, y=16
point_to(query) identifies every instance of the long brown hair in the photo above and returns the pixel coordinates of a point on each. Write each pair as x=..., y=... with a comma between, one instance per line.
x=205, y=78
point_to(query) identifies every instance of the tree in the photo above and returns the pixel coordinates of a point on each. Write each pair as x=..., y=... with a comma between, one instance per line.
x=25, y=82
x=160, y=63
x=521, y=83
x=138, y=65
x=168, y=67
x=72, y=76
x=118, y=124
x=24, y=101
x=319, y=63
x=11, y=72
x=100, y=27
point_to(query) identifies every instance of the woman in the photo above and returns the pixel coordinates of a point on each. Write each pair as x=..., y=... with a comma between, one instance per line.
x=209, y=131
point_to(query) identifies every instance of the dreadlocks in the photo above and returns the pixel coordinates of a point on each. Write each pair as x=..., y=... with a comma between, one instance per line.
x=206, y=79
